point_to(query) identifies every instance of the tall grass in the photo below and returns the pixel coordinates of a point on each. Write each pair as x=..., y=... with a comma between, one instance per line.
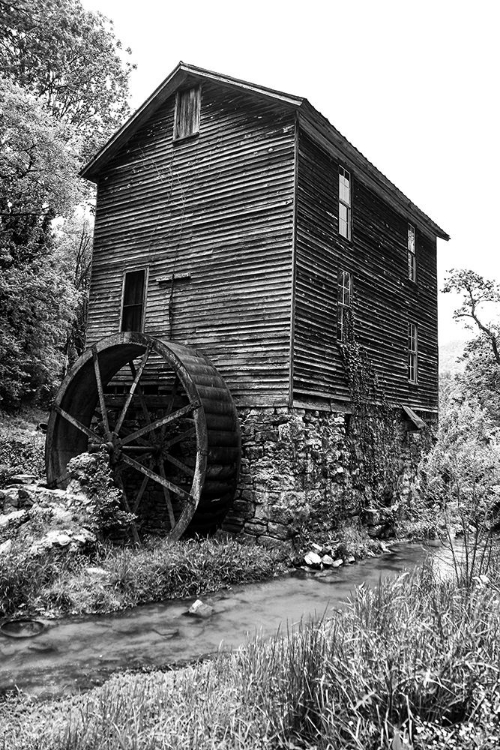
x=413, y=663
x=60, y=583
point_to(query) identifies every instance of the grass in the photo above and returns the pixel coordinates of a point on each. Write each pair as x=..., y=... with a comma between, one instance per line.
x=413, y=663
x=64, y=583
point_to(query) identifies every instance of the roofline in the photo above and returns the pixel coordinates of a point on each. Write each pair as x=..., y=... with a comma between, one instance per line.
x=161, y=94
x=330, y=138
x=313, y=122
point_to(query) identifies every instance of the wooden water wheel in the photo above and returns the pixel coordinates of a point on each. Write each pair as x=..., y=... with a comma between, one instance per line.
x=167, y=421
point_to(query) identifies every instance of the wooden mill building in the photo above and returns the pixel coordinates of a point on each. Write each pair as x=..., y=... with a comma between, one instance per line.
x=237, y=221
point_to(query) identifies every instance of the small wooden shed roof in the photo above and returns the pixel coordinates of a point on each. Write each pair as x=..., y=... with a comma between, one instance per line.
x=312, y=121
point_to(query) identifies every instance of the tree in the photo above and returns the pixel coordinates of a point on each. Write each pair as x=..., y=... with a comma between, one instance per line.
x=38, y=172
x=481, y=379
x=63, y=90
x=70, y=59
x=38, y=181
x=74, y=252
x=476, y=290
x=36, y=309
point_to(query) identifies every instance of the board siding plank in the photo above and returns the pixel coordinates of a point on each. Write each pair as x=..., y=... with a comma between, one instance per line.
x=385, y=300
x=219, y=207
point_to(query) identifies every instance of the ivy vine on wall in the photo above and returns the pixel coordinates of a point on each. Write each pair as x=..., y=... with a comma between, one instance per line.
x=374, y=435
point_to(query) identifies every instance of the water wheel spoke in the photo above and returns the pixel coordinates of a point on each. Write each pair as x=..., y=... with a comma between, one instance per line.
x=157, y=478
x=141, y=449
x=76, y=423
x=134, y=385
x=166, y=494
x=135, y=533
x=166, y=419
x=183, y=467
x=179, y=438
x=139, y=495
x=100, y=391
x=140, y=441
x=170, y=403
x=140, y=394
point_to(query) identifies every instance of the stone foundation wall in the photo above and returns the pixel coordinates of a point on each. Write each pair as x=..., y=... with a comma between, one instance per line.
x=300, y=471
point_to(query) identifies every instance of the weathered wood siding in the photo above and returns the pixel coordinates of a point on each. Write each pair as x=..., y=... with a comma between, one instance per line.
x=217, y=208
x=385, y=300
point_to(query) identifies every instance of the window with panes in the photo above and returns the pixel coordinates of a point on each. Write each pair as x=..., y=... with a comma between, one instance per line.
x=345, y=203
x=412, y=254
x=344, y=305
x=412, y=353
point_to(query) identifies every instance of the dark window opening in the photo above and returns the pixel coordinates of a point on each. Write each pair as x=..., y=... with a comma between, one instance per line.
x=187, y=113
x=133, y=301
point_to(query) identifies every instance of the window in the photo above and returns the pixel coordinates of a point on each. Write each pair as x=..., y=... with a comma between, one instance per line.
x=187, y=113
x=412, y=353
x=412, y=256
x=134, y=287
x=344, y=305
x=344, y=203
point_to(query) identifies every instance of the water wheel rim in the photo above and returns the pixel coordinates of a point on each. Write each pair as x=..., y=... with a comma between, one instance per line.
x=77, y=399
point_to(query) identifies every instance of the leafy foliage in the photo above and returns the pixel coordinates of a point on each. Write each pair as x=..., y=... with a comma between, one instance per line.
x=21, y=450
x=63, y=90
x=73, y=250
x=481, y=378
x=70, y=60
x=374, y=438
x=38, y=165
x=36, y=306
x=460, y=480
x=476, y=291
x=91, y=474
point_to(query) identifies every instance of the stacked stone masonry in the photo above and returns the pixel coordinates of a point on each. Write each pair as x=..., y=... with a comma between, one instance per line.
x=297, y=473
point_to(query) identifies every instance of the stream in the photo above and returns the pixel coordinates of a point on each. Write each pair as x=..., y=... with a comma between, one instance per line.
x=78, y=653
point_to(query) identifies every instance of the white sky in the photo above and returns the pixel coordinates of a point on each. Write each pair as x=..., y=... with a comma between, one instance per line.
x=413, y=84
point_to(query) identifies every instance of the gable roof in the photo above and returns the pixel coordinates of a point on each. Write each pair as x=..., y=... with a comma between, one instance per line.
x=312, y=121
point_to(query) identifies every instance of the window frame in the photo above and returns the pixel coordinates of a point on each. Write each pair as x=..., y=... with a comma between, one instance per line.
x=345, y=204
x=344, y=308
x=181, y=131
x=412, y=253
x=127, y=272
x=413, y=353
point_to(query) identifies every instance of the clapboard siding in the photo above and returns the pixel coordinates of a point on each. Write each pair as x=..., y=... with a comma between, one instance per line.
x=245, y=215
x=385, y=301
x=218, y=207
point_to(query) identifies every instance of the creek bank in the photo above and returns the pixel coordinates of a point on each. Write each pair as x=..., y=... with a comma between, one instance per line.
x=78, y=652
x=53, y=564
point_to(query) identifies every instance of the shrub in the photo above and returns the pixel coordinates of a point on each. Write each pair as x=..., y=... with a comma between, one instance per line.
x=21, y=450
x=91, y=474
x=460, y=478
